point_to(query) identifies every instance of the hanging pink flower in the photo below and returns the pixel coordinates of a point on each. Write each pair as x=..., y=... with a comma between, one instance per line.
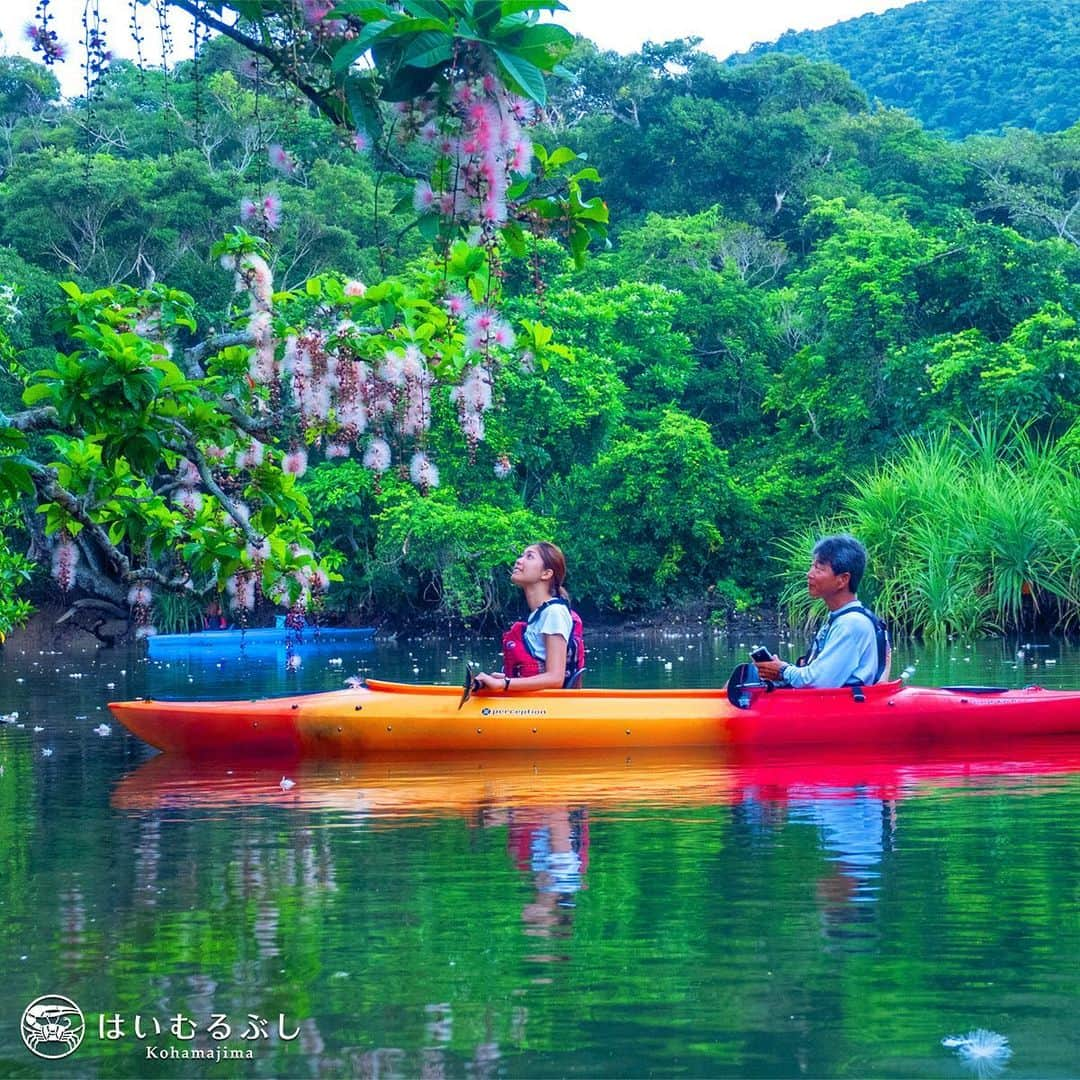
x=271, y=211
x=458, y=305
x=355, y=288
x=139, y=596
x=295, y=462
x=65, y=559
x=377, y=456
x=423, y=197
x=503, y=468
x=361, y=141
x=423, y=472
x=281, y=159
x=503, y=335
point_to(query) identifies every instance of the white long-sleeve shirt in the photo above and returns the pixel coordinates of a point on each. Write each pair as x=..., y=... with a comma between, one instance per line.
x=845, y=650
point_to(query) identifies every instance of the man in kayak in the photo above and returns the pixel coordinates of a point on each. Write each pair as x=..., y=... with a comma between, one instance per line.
x=851, y=648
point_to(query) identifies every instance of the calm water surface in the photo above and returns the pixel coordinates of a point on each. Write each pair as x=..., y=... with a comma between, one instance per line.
x=584, y=915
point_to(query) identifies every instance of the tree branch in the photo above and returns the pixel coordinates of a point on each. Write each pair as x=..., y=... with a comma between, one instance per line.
x=201, y=15
x=30, y=419
x=51, y=490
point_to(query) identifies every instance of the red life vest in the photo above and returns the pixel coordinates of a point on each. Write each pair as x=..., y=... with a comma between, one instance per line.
x=519, y=661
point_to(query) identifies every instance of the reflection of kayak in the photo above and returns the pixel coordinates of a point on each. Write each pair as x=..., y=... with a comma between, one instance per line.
x=396, y=786
x=261, y=639
x=416, y=719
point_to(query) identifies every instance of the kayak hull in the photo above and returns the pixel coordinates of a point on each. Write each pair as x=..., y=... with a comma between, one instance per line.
x=384, y=717
x=260, y=637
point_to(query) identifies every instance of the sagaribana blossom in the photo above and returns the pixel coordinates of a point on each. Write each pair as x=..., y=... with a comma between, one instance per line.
x=423, y=472
x=377, y=456
x=189, y=501
x=187, y=473
x=266, y=214
x=271, y=211
x=46, y=42
x=316, y=10
x=423, y=197
x=458, y=305
x=361, y=141
x=139, y=596
x=241, y=590
x=65, y=559
x=295, y=462
x=503, y=468
x=355, y=288
x=258, y=552
x=280, y=158
x=472, y=427
x=337, y=449
x=251, y=455
x=392, y=369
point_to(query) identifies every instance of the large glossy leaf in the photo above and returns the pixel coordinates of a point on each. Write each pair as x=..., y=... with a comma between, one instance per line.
x=426, y=8
x=351, y=51
x=511, y=7
x=430, y=49
x=402, y=27
x=526, y=76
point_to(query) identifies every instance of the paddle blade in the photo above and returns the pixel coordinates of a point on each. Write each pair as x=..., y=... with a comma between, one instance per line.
x=744, y=679
x=466, y=690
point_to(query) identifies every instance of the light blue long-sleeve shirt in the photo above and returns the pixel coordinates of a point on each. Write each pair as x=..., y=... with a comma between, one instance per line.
x=844, y=650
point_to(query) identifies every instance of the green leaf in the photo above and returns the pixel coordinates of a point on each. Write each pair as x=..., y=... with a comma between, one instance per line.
x=351, y=51
x=430, y=49
x=512, y=7
x=589, y=173
x=514, y=236
x=486, y=13
x=37, y=392
x=579, y=244
x=542, y=35
x=402, y=27
x=563, y=155
x=527, y=77
x=430, y=8
x=428, y=226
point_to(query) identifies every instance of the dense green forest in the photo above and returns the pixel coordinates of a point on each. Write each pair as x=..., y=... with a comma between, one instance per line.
x=805, y=298
x=961, y=67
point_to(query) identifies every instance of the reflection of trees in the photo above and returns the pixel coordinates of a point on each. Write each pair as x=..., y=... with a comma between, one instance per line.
x=409, y=945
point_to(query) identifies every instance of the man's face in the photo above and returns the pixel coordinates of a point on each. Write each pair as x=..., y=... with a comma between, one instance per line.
x=822, y=583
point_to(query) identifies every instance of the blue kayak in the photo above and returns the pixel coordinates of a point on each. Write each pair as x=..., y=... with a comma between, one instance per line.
x=260, y=639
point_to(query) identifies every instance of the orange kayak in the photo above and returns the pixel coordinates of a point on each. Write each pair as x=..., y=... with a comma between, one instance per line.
x=390, y=717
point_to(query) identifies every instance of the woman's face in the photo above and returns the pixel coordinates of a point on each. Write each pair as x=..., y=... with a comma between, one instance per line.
x=529, y=568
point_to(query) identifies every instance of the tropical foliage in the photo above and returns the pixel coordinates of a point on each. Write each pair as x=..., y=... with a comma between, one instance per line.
x=799, y=287
x=961, y=66
x=968, y=531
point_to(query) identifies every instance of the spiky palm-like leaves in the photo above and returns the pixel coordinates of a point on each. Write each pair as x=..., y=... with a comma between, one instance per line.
x=972, y=530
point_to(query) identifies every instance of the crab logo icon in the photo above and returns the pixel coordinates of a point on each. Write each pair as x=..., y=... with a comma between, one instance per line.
x=53, y=1026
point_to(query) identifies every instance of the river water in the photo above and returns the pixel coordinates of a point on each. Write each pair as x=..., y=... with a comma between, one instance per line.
x=560, y=915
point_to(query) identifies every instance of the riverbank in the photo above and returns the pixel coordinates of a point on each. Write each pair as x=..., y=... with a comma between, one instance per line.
x=48, y=629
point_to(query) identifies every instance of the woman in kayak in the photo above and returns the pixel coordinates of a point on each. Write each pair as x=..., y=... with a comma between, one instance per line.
x=545, y=651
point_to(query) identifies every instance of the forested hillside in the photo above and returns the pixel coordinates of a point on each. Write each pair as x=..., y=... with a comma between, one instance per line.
x=805, y=297
x=960, y=66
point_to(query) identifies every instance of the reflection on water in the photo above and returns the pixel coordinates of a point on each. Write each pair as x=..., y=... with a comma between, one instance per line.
x=595, y=914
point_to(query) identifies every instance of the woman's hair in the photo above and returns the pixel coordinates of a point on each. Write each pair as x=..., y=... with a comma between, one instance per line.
x=555, y=561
